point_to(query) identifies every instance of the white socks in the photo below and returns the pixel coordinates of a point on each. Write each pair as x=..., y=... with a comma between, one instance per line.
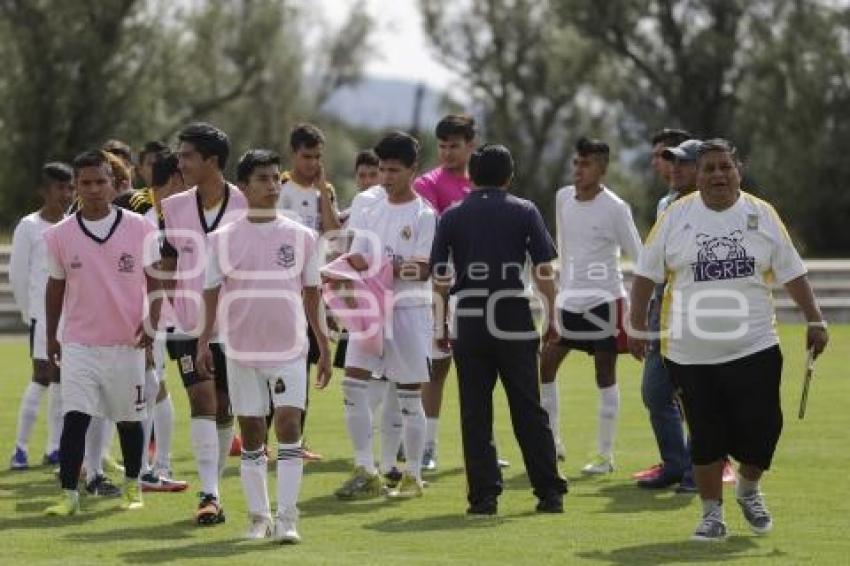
x=413, y=417
x=225, y=439
x=377, y=391
x=163, y=424
x=205, y=445
x=432, y=425
x=712, y=506
x=290, y=470
x=551, y=403
x=609, y=409
x=55, y=418
x=391, y=429
x=93, y=458
x=28, y=413
x=253, y=471
x=358, y=419
x=745, y=487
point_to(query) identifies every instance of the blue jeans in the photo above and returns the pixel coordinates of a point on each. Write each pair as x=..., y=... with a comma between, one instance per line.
x=659, y=398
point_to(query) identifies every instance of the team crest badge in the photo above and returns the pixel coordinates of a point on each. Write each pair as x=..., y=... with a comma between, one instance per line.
x=286, y=256
x=126, y=263
x=406, y=233
x=76, y=263
x=279, y=386
x=752, y=222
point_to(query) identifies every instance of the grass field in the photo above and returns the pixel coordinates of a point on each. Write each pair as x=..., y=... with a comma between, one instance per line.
x=607, y=521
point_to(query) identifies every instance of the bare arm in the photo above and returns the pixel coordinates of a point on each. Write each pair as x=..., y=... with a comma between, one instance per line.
x=54, y=298
x=204, y=361
x=544, y=281
x=313, y=310
x=639, y=303
x=801, y=293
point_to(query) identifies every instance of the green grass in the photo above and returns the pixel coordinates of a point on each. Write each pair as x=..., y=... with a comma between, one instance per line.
x=608, y=521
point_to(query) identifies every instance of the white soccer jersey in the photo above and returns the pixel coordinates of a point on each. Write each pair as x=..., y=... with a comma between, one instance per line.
x=719, y=268
x=403, y=232
x=302, y=203
x=28, y=266
x=591, y=235
x=364, y=200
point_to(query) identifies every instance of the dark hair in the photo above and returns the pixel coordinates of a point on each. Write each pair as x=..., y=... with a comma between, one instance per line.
x=400, y=146
x=252, y=159
x=305, y=135
x=491, y=165
x=91, y=158
x=589, y=147
x=56, y=172
x=366, y=157
x=717, y=144
x=208, y=141
x=151, y=147
x=119, y=148
x=163, y=167
x=671, y=137
x=456, y=125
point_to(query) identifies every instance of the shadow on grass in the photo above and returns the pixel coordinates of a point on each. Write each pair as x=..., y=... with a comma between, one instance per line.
x=196, y=551
x=176, y=530
x=736, y=548
x=627, y=498
x=329, y=466
x=432, y=477
x=332, y=505
x=41, y=521
x=449, y=522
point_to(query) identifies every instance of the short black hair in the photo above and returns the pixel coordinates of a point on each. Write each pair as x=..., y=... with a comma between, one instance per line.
x=586, y=147
x=366, y=157
x=165, y=164
x=119, y=148
x=208, y=141
x=150, y=147
x=305, y=135
x=91, y=158
x=671, y=137
x=252, y=159
x=456, y=125
x=56, y=172
x=400, y=146
x=491, y=165
x=717, y=144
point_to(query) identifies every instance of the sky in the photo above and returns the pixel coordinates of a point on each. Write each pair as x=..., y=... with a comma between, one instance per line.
x=401, y=48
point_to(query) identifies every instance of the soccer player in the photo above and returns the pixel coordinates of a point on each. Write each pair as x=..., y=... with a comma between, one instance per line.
x=400, y=228
x=308, y=198
x=188, y=217
x=441, y=188
x=144, y=168
x=28, y=276
x=259, y=268
x=99, y=262
x=593, y=226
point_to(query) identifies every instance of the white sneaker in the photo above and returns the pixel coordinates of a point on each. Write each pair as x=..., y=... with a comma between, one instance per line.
x=260, y=527
x=600, y=465
x=284, y=526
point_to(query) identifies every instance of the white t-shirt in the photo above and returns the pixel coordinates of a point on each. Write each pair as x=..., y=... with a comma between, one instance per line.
x=28, y=266
x=404, y=232
x=302, y=203
x=364, y=199
x=719, y=268
x=591, y=235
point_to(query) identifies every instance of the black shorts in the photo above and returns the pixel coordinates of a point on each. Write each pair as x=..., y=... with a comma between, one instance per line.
x=184, y=350
x=341, y=349
x=313, y=352
x=578, y=332
x=733, y=408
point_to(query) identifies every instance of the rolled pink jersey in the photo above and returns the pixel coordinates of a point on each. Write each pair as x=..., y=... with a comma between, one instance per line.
x=441, y=189
x=373, y=293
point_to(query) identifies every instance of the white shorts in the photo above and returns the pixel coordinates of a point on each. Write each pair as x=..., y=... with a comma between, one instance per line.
x=38, y=339
x=407, y=349
x=254, y=390
x=104, y=381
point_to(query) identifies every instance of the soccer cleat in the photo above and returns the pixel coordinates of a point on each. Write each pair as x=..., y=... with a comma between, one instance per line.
x=502, y=463
x=729, y=475
x=101, y=486
x=260, y=527
x=111, y=465
x=486, y=507
x=285, y=523
x=648, y=473
x=599, y=466
x=361, y=485
x=429, y=460
x=51, y=459
x=19, y=460
x=309, y=456
x=132, y=495
x=408, y=488
x=209, y=510
x=392, y=477
x=161, y=483
x=661, y=480
x=756, y=513
x=68, y=504
x=560, y=451
x=552, y=503
x=711, y=528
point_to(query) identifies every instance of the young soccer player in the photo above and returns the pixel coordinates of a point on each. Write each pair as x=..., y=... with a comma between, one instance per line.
x=594, y=225
x=262, y=277
x=28, y=276
x=144, y=168
x=99, y=263
x=188, y=218
x=399, y=227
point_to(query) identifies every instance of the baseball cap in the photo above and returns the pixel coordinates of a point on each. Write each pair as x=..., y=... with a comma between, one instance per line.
x=685, y=151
